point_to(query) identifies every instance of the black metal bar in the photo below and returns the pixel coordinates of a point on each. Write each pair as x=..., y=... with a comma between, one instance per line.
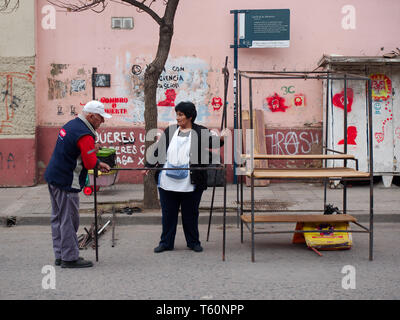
x=94, y=71
x=326, y=136
x=371, y=171
x=310, y=231
x=223, y=123
x=224, y=222
x=345, y=144
x=252, y=168
x=96, y=236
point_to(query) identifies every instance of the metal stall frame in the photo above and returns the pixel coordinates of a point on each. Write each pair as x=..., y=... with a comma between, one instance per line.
x=329, y=76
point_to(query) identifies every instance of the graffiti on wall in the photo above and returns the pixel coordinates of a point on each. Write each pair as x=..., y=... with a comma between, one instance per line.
x=113, y=105
x=276, y=103
x=7, y=161
x=292, y=142
x=338, y=99
x=351, y=136
x=170, y=96
x=8, y=98
x=129, y=150
x=381, y=87
x=216, y=103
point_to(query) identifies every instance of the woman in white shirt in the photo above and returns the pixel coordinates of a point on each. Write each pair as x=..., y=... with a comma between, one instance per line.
x=184, y=146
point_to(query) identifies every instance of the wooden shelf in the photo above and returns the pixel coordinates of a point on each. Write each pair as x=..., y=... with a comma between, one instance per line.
x=309, y=173
x=299, y=218
x=299, y=156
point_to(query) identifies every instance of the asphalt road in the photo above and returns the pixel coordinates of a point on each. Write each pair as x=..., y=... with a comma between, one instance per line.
x=131, y=270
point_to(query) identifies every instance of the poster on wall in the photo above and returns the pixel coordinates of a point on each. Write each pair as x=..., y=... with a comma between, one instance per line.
x=264, y=28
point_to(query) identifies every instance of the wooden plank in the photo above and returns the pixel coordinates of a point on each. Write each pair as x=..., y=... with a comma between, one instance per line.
x=299, y=218
x=259, y=141
x=299, y=156
x=310, y=173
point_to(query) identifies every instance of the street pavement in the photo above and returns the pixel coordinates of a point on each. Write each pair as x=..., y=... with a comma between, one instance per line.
x=130, y=269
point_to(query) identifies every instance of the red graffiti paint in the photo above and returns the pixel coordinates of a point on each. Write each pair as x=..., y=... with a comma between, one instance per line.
x=338, y=99
x=216, y=103
x=299, y=100
x=381, y=87
x=276, y=103
x=170, y=95
x=351, y=136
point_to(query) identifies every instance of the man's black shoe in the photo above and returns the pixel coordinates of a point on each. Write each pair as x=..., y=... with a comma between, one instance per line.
x=197, y=248
x=57, y=262
x=80, y=263
x=161, y=248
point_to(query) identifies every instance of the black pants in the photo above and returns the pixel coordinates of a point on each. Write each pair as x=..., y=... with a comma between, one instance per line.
x=189, y=203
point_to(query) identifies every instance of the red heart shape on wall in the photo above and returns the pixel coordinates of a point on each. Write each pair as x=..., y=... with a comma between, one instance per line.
x=338, y=99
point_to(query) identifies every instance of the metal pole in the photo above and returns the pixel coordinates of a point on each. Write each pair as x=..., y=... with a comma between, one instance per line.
x=326, y=136
x=240, y=149
x=345, y=144
x=94, y=71
x=371, y=170
x=95, y=213
x=252, y=168
x=235, y=76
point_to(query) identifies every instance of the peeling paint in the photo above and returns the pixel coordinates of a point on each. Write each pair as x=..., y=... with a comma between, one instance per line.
x=57, y=69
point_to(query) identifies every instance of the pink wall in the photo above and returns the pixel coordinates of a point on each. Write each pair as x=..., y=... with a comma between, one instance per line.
x=202, y=39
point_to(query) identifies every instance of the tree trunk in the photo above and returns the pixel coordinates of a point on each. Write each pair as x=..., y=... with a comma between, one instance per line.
x=152, y=74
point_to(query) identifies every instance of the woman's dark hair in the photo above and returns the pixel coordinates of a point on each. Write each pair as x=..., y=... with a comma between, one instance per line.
x=188, y=109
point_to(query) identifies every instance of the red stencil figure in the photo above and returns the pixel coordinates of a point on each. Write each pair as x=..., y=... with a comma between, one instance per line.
x=170, y=95
x=276, y=103
x=338, y=99
x=216, y=103
x=351, y=136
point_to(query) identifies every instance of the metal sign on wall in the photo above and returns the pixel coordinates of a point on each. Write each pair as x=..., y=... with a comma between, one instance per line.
x=264, y=28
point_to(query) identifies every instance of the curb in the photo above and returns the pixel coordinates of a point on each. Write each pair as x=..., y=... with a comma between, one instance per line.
x=155, y=218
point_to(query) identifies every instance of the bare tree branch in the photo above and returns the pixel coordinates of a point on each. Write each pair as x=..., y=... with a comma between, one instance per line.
x=9, y=6
x=146, y=8
x=78, y=6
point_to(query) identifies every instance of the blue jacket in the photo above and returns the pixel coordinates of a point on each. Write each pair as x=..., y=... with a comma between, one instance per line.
x=66, y=170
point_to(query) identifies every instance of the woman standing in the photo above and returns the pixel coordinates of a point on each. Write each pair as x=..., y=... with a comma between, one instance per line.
x=184, y=145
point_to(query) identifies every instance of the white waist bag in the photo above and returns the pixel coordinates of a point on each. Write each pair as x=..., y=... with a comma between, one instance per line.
x=178, y=156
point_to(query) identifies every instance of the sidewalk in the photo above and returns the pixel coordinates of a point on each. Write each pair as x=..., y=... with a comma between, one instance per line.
x=31, y=205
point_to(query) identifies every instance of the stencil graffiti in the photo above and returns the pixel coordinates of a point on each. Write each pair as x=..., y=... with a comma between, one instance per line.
x=169, y=101
x=381, y=87
x=338, y=99
x=299, y=100
x=351, y=136
x=216, y=102
x=276, y=103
